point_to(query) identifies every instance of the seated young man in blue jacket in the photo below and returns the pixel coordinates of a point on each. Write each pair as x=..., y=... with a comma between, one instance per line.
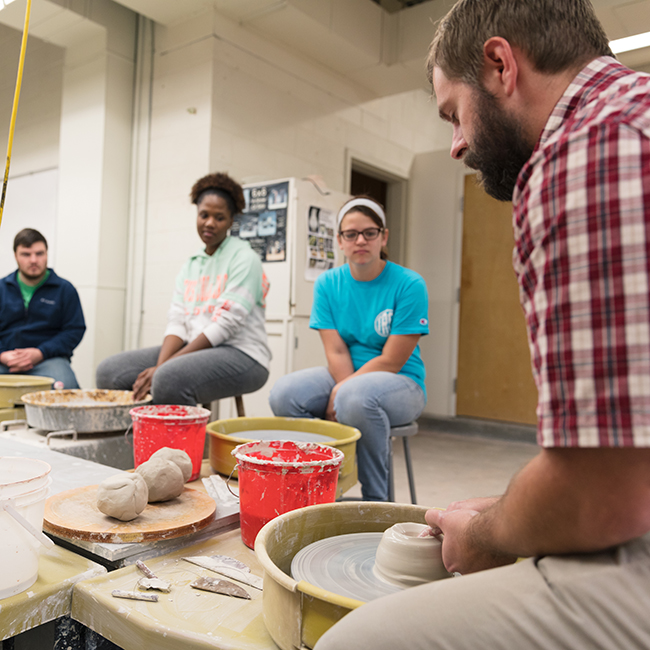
x=41, y=320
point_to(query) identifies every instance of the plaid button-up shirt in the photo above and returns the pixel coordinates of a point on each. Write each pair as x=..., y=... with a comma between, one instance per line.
x=582, y=257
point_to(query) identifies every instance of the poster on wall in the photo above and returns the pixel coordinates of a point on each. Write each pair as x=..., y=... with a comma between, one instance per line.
x=263, y=223
x=321, y=244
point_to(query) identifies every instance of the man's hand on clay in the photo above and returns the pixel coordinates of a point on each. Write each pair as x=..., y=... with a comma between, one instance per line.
x=464, y=549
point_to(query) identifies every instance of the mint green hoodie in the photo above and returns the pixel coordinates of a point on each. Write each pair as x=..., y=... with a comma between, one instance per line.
x=222, y=296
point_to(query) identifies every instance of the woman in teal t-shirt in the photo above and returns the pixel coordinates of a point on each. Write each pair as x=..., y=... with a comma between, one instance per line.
x=370, y=314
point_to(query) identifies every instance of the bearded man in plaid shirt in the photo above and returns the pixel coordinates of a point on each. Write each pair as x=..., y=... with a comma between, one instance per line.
x=551, y=121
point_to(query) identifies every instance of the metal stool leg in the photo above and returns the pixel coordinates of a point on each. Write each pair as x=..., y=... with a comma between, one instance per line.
x=391, y=473
x=409, y=469
x=239, y=402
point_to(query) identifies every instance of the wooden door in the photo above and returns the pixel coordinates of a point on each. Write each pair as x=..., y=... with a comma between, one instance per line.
x=494, y=378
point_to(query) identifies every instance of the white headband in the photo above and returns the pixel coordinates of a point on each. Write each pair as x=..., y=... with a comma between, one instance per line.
x=368, y=203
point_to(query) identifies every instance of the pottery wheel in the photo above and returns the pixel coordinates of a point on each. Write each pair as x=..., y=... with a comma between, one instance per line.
x=343, y=565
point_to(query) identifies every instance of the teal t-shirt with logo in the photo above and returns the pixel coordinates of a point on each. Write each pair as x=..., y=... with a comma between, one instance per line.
x=365, y=314
x=27, y=290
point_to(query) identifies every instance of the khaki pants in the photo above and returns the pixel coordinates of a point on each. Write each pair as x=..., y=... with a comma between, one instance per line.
x=591, y=602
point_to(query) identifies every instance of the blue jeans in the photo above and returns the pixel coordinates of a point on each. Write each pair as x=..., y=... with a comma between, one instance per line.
x=373, y=403
x=193, y=378
x=57, y=367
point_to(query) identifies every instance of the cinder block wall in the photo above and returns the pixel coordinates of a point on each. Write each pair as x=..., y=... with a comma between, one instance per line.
x=225, y=98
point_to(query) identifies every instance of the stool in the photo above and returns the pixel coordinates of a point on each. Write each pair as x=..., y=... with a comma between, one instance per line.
x=403, y=431
x=239, y=404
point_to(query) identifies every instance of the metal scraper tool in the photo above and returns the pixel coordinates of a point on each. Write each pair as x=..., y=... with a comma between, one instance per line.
x=218, y=586
x=228, y=567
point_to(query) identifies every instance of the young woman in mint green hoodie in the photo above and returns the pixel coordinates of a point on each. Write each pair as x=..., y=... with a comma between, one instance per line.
x=215, y=343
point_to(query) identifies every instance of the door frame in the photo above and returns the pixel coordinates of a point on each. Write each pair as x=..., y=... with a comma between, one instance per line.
x=457, y=271
x=396, y=195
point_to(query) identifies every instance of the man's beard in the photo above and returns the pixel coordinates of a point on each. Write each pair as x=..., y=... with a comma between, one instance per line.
x=33, y=276
x=499, y=150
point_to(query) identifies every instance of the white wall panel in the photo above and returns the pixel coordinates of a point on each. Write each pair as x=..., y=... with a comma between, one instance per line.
x=30, y=203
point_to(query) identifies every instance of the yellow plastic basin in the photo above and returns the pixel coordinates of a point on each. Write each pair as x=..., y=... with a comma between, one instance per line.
x=225, y=435
x=13, y=387
x=297, y=614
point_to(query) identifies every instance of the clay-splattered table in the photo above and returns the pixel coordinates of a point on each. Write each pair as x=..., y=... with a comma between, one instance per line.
x=50, y=596
x=184, y=618
x=69, y=472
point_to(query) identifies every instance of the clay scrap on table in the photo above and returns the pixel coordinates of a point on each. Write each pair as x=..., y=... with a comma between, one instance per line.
x=218, y=586
x=123, y=496
x=134, y=595
x=152, y=581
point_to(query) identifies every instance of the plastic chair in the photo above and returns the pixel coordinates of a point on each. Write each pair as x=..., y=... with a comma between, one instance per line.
x=403, y=431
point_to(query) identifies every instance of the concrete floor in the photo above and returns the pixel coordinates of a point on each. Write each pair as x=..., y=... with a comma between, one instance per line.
x=453, y=466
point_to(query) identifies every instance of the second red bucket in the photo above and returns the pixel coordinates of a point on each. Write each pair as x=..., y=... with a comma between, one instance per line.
x=169, y=425
x=276, y=476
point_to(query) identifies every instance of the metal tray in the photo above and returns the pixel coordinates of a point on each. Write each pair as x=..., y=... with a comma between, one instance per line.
x=83, y=411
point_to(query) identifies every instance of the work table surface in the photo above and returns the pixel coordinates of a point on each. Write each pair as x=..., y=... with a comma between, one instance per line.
x=184, y=618
x=69, y=472
x=69, y=584
x=50, y=596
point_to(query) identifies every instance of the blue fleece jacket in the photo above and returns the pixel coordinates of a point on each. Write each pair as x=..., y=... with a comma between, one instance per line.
x=53, y=322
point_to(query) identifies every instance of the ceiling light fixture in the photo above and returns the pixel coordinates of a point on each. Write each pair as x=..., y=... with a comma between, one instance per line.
x=628, y=43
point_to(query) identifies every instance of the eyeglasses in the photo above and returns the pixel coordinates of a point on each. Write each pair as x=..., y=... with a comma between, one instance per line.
x=368, y=234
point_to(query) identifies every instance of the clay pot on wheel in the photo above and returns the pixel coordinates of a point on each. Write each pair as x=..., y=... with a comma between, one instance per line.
x=406, y=560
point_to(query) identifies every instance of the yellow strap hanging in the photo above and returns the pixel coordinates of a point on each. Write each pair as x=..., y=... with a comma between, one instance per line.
x=14, y=110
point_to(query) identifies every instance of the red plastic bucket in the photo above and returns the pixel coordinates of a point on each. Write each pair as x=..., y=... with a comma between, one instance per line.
x=276, y=476
x=169, y=425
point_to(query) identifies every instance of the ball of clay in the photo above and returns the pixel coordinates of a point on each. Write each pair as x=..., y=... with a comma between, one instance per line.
x=164, y=479
x=123, y=496
x=178, y=456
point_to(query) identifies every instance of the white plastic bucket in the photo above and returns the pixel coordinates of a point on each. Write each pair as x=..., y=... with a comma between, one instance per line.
x=21, y=475
x=24, y=487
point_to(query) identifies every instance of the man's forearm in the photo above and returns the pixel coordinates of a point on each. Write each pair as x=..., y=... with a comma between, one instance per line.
x=62, y=344
x=569, y=501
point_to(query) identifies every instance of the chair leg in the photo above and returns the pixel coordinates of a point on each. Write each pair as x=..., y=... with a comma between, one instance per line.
x=409, y=469
x=391, y=474
x=239, y=402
